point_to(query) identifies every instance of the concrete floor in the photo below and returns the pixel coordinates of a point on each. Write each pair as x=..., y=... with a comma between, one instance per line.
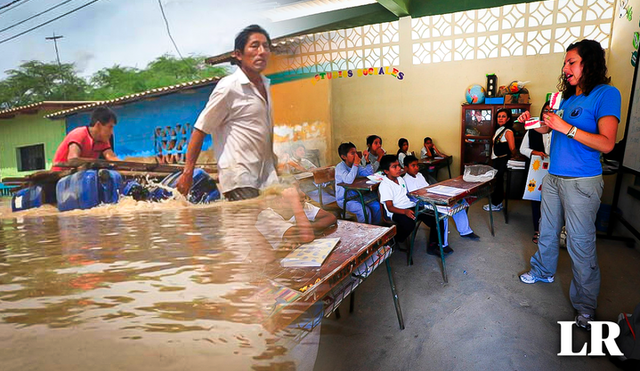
x=484, y=319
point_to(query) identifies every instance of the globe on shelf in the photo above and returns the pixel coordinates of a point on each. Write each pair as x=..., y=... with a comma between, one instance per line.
x=475, y=94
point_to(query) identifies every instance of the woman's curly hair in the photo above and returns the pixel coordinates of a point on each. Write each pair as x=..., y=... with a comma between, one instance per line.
x=594, y=68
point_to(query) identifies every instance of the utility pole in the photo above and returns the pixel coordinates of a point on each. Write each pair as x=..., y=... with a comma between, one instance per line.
x=55, y=44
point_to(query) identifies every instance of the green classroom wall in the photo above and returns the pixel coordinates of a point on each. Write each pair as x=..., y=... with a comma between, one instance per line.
x=25, y=130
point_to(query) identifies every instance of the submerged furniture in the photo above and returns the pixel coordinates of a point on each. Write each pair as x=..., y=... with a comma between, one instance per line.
x=362, y=249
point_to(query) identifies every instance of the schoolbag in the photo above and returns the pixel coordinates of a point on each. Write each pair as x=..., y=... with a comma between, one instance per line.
x=629, y=341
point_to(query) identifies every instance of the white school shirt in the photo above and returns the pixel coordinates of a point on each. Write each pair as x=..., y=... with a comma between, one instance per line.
x=273, y=226
x=526, y=150
x=396, y=193
x=240, y=122
x=416, y=182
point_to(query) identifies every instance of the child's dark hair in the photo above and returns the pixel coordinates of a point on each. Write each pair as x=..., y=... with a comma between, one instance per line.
x=409, y=159
x=104, y=115
x=427, y=138
x=344, y=148
x=401, y=142
x=546, y=104
x=371, y=139
x=386, y=161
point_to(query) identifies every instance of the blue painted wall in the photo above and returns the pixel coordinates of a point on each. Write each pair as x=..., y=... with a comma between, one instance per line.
x=137, y=121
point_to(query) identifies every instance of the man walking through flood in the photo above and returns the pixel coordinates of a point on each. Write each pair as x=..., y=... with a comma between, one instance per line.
x=238, y=116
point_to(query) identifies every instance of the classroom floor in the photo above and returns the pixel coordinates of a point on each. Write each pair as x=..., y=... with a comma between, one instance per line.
x=484, y=319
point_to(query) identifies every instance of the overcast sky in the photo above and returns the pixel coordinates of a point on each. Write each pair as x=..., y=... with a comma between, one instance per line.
x=126, y=32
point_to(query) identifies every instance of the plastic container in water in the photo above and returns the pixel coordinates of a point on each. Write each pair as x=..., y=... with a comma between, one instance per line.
x=27, y=198
x=33, y=196
x=203, y=189
x=89, y=188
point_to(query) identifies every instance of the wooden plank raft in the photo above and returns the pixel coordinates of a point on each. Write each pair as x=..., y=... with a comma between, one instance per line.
x=126, y=168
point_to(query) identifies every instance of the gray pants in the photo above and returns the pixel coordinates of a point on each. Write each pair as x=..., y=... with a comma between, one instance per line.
x=573, y=202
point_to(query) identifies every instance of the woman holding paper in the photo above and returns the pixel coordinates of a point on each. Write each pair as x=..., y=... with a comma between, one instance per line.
x=536, y=144
x=585, y=127
x=504, y=146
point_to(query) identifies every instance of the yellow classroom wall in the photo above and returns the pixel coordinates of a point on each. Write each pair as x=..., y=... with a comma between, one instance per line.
x=302, y=115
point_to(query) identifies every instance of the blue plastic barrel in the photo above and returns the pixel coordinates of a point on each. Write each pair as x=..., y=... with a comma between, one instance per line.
x=88, y=188
x=27, y=198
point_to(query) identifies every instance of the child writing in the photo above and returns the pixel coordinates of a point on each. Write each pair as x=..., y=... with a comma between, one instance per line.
x=398, y=206
x=346, y=172
x=288, y=220
x=414, y=180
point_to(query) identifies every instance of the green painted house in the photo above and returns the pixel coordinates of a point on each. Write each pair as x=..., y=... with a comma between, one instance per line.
x=28, y=141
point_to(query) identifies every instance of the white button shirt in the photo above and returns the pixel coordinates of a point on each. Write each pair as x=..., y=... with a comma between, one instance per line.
x=240, y=122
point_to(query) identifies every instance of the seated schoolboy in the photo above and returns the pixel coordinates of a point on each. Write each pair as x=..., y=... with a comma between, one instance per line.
x=430, y=150
x=288, y=220
x=346, y=172
x=398, y=206
x=374, y=152
x=414, y=180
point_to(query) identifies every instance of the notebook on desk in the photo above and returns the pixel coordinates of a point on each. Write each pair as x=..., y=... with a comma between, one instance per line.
x=311, y=254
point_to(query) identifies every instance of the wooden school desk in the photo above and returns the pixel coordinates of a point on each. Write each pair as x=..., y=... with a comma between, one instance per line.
x=362, y=248
x=472, y=193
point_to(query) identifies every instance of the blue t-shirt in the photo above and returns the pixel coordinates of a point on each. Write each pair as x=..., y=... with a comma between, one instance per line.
x=570, y=157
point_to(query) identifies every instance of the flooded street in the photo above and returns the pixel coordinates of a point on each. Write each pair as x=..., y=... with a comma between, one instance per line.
x=137, y=287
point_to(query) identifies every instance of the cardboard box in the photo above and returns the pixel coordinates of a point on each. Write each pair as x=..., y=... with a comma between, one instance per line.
x=494, y=100
x=516, y=98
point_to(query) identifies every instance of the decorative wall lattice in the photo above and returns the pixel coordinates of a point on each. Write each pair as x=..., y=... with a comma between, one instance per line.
x=367, y=46
x=171, y=143
x=512, y=30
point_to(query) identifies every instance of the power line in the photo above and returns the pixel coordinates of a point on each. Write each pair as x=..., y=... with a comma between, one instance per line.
x=8, y=5
x=36, y=15
x=15, y=6
x=47, y=22
x=168, y=31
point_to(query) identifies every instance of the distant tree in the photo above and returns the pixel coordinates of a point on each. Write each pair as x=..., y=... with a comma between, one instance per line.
x=165, y=70
x=36, y=81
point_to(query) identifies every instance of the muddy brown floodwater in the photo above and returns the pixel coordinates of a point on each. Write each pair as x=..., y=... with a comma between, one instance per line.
x=135, y=286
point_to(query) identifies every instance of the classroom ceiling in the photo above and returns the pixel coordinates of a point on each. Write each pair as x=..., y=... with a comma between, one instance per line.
x=372, y=12
x=386, y=11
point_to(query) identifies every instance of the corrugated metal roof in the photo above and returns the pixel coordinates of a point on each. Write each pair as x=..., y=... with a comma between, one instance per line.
x=42, y=105
x=135, y=97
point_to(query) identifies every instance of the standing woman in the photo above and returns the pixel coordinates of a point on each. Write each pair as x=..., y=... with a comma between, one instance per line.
x=571, y=192
x=504, y=146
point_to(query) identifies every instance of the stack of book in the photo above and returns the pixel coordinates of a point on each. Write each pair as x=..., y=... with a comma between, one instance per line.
x=516, y=164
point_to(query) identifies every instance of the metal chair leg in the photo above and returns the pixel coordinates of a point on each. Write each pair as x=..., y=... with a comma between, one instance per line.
x=491, y=216
x=440, y=242
x=352, y=301
x=396, y=301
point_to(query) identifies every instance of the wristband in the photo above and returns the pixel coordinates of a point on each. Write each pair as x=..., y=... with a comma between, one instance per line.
x=572, y=132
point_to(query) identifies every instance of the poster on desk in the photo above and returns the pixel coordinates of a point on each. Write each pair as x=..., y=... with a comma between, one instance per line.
x=538, y=169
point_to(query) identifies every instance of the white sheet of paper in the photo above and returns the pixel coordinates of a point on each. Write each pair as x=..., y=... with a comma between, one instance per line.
x=446, y=190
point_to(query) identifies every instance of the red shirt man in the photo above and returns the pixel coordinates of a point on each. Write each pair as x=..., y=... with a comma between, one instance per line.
x=89, y=141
